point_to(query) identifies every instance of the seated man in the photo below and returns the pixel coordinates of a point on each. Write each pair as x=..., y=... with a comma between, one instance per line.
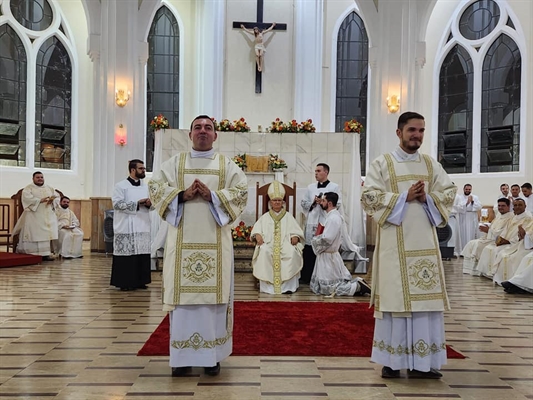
x=330, y=275
x=37, y=225
x=277, y=259
x=473, y=249
x=522, y=280
x=489, y=261
x=70, y=237
x=509, y=259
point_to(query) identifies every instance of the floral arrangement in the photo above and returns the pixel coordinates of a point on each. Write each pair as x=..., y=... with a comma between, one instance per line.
x=240, y=160
x=159, y=122
x=241, y=232
x=353, y=126
x=238, y=125
x=307, y=126
x=275, y=162
x=278, y=126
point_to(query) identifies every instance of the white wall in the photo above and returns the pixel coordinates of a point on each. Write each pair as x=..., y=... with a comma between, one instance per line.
x=77, y=182
x=276, y=99
x=486, y=186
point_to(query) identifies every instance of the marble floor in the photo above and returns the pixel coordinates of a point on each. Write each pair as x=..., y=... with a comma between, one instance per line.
x=66, y=334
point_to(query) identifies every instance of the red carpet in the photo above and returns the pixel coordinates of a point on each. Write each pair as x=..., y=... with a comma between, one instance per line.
x=292, y=329
x=16, y=259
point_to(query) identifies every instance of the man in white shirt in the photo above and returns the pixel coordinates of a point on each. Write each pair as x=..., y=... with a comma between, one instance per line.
x=315, y=214
x=527, y=196
x=466, y=206
x=504, y=194
x=70, y=236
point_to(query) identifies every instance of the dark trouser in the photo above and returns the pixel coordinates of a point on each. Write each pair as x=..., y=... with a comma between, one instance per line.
x=131, y=271
x=309, y=264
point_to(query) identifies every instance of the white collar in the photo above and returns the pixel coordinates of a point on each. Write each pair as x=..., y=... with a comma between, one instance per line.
x=400, y=155
x=202, y=154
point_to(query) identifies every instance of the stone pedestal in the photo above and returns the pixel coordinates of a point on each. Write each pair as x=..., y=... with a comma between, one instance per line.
x=242, y=254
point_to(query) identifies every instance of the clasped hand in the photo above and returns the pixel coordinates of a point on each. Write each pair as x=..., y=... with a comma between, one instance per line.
x=417, y=192
x=48, y=200
x=145, y=202
x=197, y=188
x=521, y=232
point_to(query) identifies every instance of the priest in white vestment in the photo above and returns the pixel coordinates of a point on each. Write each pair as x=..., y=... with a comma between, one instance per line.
x=37, y=225
x=315, y=214
x=200, y=194
x=277, y=258
x=70, y=235
x=473, y=249
x=408, y=194
x=330, y=275
x=509, y=259
x=466, y=207
x=131, y=230
x=489, y=260
x=522, y=280
x=527, y=195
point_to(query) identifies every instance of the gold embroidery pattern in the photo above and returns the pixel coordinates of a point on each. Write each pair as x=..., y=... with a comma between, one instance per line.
x=276, y=250
x=194, y=171
x=420, y=348
x=424, y=274
x=198, y=289
x=421, y=253
x=413, y=177
x=392, y=173
x=424, y=297
x=403, y=268
x=219, y=265
x=157, y=190
x=198, y=267
x=199, y=246
x=390, y=207
x=197, y=342
x=429, y=166
x=180, y=172
x=373, y=200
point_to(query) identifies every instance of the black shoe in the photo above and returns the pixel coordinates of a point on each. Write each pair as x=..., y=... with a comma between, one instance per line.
x=364, y=288
x=180, y=371
x=124, y=289
x=507, y=285
x=387, y=372
x=431, y=374
x=142, y=287
x=212, y=371
x=513, y=289
x=49, y=258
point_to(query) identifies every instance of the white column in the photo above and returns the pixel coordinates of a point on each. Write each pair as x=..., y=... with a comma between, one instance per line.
x=308, y=38
x=210, y=23
x=396, y=57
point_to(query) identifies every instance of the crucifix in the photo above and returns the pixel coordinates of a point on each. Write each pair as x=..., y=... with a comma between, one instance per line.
x=262, y=27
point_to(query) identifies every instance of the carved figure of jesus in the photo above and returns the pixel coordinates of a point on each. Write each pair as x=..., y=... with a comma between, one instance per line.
x=259, y=46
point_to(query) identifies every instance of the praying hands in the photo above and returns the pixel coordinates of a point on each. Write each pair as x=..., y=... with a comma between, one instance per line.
x=197, y=188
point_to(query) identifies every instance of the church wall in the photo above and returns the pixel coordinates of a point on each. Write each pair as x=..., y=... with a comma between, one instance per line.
x=276, y=99
x=485, y=185
x=76, y=183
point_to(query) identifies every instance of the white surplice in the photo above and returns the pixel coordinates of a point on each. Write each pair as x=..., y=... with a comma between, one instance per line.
x=277, y=263
x=330, y=276
x=313, y=212
x=467, y=218
x=473, y=249
x=408, y=288
x=488, y=260
x=70, y=235
x=37, y=225
x=509, y=259
x=198, y=259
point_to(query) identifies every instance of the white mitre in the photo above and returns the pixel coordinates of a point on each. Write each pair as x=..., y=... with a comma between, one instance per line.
x=276, y=191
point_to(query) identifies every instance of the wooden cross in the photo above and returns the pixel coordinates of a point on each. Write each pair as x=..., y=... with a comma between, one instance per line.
x=261, y=25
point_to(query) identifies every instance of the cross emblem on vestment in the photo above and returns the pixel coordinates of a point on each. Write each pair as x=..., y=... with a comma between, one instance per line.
x=261, y=25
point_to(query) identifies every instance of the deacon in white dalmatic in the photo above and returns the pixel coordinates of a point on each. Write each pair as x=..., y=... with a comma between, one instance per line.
x=70, y=236
x=277, y=259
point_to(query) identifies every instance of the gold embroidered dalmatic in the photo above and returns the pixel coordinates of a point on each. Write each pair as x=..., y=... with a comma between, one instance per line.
x=198, y=258
x=407, y=271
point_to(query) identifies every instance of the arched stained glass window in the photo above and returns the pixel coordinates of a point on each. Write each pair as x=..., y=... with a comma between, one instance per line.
x=53, y=103
x=35, y=15
x=13, y=77
x=479, y=124
x=500, y=107
x=162, y=75
x=456, y=83
x=352, y=77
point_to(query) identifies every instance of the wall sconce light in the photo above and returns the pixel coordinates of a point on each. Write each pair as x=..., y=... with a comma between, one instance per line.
x=121, y=97
x=120, y=136
x=393, y=104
